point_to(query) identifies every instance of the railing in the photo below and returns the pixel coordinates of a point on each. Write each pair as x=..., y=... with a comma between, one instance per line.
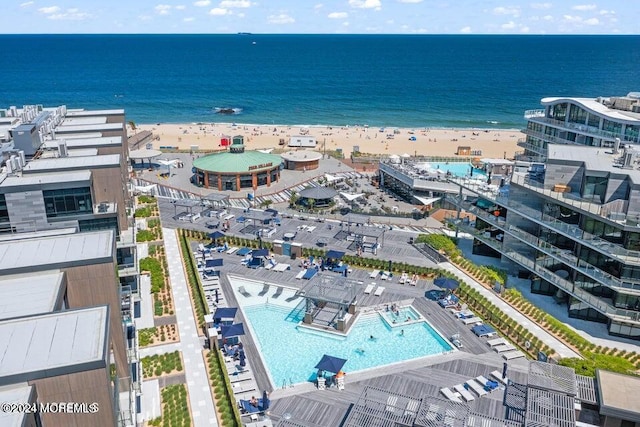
x=584, y=129
x=564, y=256
x=549, y=138
x=528, y=114
x=563, y=284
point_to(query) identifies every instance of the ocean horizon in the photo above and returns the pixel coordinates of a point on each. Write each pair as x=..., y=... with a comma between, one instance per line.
x=415, y=81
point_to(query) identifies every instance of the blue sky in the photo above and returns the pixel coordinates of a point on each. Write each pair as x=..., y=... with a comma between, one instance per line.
x=322, y=16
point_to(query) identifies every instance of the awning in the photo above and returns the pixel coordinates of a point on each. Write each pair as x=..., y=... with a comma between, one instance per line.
x=351, y=197
x=446, y=283
x=213, y=263
x=331, y=178
x=260, y=253
x=335, y=254
x=427, y=201
x=225, y=313
x=234, y=330
x=331, y=364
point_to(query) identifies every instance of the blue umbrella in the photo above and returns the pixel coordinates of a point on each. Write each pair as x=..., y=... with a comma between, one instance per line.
x=504, y=370
x=331, y=364
x=216, y=235
x=265, y=401
x=234, y=330
x=243, y=358
x=446, y=283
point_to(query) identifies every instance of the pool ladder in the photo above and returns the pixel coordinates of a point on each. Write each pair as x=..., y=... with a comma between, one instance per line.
x=284, y=383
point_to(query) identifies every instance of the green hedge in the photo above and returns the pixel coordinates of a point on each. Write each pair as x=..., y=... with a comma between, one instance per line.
x=154, y=267
x=593, y=361
x=146, y=199
x=145, y=236
x=175, y=412
x=223, y=392
x=440, y=242
x=145, y=336
x=144, y=212
x=193, y=277
x=159, y=364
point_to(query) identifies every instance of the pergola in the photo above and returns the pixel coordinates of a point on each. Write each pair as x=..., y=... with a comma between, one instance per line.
x=189, y=204
x=144, y=154
x=262, y=217
x=328, y=298
x=319, y=194
x=217, y=199
x=361, y=234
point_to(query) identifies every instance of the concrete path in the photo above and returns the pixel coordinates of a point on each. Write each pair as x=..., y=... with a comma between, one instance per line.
x=543, y=335
x=202, y=408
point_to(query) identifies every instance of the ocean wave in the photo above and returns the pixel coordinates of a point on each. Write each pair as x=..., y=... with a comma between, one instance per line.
x=493, y=122
x=227, y=110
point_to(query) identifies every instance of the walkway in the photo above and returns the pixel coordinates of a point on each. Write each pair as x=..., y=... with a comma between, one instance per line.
x=202, y=409
x=540, y=333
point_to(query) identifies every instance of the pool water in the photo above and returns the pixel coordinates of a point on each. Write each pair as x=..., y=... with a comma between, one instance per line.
x=458, y=169
x=404, y=315
x=290, y=351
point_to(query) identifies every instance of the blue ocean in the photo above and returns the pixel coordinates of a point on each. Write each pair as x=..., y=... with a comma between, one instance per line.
x=385, y=80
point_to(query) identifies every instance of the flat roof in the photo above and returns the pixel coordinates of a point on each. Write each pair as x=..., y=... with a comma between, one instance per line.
x=53, y=344
x=618, y=395
x=70, y=250
x=83, y=120
x=89, y=128
x=53, y=179
x=73, y=152
x=15, y=393
x=247, y=162
x=83, y=142
x=30, y=294
x=594, y=159
x=594, y=106
x=108, y=112
x=301, y=156
x=72, y=162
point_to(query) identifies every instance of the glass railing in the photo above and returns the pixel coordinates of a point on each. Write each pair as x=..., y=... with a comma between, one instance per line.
x=564, y=256
x=584, y=129
x=528, y=114
x=551, y=277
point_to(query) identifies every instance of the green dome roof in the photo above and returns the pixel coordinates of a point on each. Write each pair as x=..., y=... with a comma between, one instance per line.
x=227, y=162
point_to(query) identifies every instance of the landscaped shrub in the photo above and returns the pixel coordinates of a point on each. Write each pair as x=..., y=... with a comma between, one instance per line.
x=146, y=199
x=161, y=363
x=440, y=242
x=154, y=267
x=145, y=336
x=199, y=301
x=175, y=408
x=145, y=236
x=593, y=361
x=144, y=212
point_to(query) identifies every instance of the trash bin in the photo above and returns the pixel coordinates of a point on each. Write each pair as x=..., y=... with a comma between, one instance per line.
x=293, y=255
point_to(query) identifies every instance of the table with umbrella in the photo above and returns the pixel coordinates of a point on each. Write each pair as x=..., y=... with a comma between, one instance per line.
x=446, y=283
x=333, y=365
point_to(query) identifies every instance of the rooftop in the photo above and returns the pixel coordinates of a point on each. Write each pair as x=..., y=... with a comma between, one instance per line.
x=52, y=144
x=44, y=180
x=100, y=127
x=19, y=256
x=30, y=294
x=83, y=120
x=592, y=104
x=301, y=156
x=88, y=162
x=247, y=161
x=53, y=344
x=81, y=113
x=618, y=395
x=72, y=152
x=593, y=158
x=15, y=393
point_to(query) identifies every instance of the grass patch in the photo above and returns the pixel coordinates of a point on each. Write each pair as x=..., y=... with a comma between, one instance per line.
x=161, y=364
x=175, y=408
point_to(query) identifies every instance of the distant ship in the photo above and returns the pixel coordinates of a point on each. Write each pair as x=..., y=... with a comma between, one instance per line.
x=244, y=34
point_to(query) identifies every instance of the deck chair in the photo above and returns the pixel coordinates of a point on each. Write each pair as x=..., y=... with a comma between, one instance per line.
x=374, y=274
x=468, y=397
x=301, y=274
x=412, y=408
x=278, y=292
x=498, y=376
x=392, y=401
x=379, y=291
x=265, y=289
x=292, y=297
x=450, y=395
x=244, y=292
x=369, y=288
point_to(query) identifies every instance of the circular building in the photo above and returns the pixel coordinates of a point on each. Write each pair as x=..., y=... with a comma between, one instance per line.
x=321, y=196
x=302, y=160
x=236, y=169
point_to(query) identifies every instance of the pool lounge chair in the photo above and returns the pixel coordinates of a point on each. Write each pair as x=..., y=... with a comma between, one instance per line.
x=242, y=387
x=488, y=385
x=247, y=407
x=385, y=275
x=244, y=292
x=411, y=409
x=379, y=291
x=468, y=397
x=392, y=401
x=450, y=395
x=310, y=273
x=404, y=278
x=301, y=274
x=265, y=289
x=498, y=376
x=471, y=320
x=278, y=292
x=232, y=250
x=477, y=387
x=503, y=348
x=369, y=288
x=270, y=265
x=496, y=341
x=510, y=355
x=374, y=274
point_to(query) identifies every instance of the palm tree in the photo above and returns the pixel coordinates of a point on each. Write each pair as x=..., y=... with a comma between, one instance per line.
x=293, y=199
x=311, y=203
x=266, y=203
x=133, y=127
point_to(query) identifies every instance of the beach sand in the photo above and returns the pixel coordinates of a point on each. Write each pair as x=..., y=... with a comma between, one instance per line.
x=493, y=143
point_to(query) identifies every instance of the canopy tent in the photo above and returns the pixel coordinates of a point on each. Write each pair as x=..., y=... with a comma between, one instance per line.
x=210, y=263
x=146, y=189
x=335, y=254
x=225, y=313
x=318, y=193
x=446, y=283
x=260, y=253
x=332, y=178
x=351, y=197
x=331, y=364
x=216, y=235
x=234, y=330
x=426, y=201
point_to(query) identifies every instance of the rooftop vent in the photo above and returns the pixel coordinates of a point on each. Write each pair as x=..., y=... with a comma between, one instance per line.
x=62, y=149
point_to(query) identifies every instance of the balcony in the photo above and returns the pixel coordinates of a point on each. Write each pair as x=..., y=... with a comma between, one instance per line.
x=539, y=269
x=530, y=114
x=549, y=138
x=105, y=208
x=582, y=128
x=560, y=255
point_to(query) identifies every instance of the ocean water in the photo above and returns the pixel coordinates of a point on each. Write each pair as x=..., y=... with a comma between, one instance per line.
x=386, y=80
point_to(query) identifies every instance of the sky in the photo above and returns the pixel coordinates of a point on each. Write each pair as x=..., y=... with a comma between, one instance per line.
x=321, y=16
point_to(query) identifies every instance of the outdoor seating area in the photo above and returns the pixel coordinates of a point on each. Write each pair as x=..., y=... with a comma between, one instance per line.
x=470, y=390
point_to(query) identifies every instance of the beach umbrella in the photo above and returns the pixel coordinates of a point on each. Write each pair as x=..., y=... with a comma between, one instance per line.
x=265, y=400
x=504, y=370
x=243, y=358
x=331, y=364
x=234, y=330
x=216, y=235
x=446, y=283
x=217, y=297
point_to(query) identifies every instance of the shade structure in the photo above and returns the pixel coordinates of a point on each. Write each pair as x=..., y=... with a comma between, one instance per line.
x=272, y=211
x=331, y=364
x=318, y=193
x=335, y=254
x=234, y=330
x=481, y=330
x=260, y=253
x=216, y=235
x=210, y=263
x=446, y=283
x=225, y=312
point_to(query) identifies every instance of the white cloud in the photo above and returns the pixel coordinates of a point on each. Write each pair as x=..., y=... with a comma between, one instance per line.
x=282, y=18
x=571, y=18
x=510, y=10
x=541, y=5
x=180, y=7
x=49, y=9
x=72, y=14
x=366, y=4
x=145, y=18
x=607, y=12
x=345, y=24
x=241, y=4
x=508, y=26
x=337, y=15
x=240, y=15
x=162, y=9
x=592, y=21
x=548, y=18
x=189, y=19
x=318, y=6
x=584, y=7
x=218, y=11
x=525, y=29
x=465, y=30
x=409, y=1
x=26, y=4
x=202, y=3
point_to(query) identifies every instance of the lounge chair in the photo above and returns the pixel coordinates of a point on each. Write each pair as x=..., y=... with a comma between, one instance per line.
x=468, y=397
x=369, y=288
x=292, y=297
x=243, y=388
x=478, y=388
x=450, y=395
x=244, y=292
x=392, y=401
x=270, y=265
x=282, y=267
x=385, y=275
x=412, y=408
x=278, y=292
x=374, y=274
x=510, y=355
x=301, y=274
x=247, y=407
x=471, y=320
x=498, y=376
x=503, y=348
x=265, y=289
x=488, y=385
x=310, y=273
x=496, y=341
x=404, y=278
x=379, y=291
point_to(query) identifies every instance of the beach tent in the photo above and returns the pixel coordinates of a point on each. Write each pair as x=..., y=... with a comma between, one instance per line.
x=229, y=331
x=351, y=197
x=332, y=178
x=331, y=364
x=446, y=283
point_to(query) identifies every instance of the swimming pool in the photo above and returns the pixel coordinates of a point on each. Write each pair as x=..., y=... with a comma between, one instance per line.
x=457, y=169
x=402, y=316
x=290, y=351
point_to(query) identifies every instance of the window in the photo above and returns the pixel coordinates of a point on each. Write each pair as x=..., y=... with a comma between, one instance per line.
x=595, y=187
x=4, y=212
x=577, y=115
x=70, y=201
x=594, y=121
x=559, y=111
x=610, y=126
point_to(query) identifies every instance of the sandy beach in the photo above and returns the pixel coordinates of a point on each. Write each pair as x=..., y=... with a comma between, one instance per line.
x=495, y=143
